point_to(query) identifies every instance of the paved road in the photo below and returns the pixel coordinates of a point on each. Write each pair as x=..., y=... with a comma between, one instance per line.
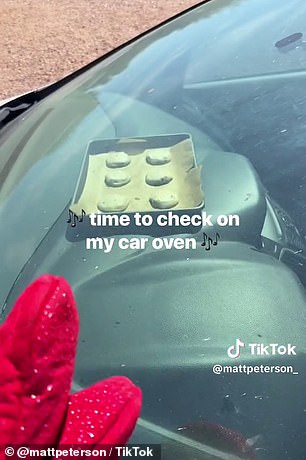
x=43, y=40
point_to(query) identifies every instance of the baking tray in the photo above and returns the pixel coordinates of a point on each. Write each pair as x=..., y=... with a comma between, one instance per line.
x=150, y=175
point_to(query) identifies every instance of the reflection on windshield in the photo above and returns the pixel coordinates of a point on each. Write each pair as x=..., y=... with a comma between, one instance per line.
x=231, y=76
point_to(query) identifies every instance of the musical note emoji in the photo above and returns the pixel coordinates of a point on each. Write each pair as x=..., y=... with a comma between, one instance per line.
x=208, y=241
x=74, y=218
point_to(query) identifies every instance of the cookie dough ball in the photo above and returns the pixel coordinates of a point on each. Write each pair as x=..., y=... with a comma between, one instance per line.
x=117, y=179
x=158, y=178
x=117, y=160
x=113, y=203
x=165, y=200
x=158, y=157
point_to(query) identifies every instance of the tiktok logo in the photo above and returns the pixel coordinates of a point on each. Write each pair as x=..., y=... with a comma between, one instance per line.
x=233, y=351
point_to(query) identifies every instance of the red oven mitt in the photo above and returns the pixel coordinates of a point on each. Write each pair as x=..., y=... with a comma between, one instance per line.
x=37, y=355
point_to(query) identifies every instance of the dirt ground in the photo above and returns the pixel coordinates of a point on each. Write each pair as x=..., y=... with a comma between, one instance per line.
x=44, y=40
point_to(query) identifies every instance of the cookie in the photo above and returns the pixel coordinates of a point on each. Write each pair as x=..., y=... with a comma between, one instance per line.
x=117, y=160
x=165, y=200
x=113, y=203
x=158, y=157
x=158, y=178
x=117, y=179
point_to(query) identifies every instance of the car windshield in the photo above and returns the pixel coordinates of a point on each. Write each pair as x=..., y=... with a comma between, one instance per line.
x=226, y=81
